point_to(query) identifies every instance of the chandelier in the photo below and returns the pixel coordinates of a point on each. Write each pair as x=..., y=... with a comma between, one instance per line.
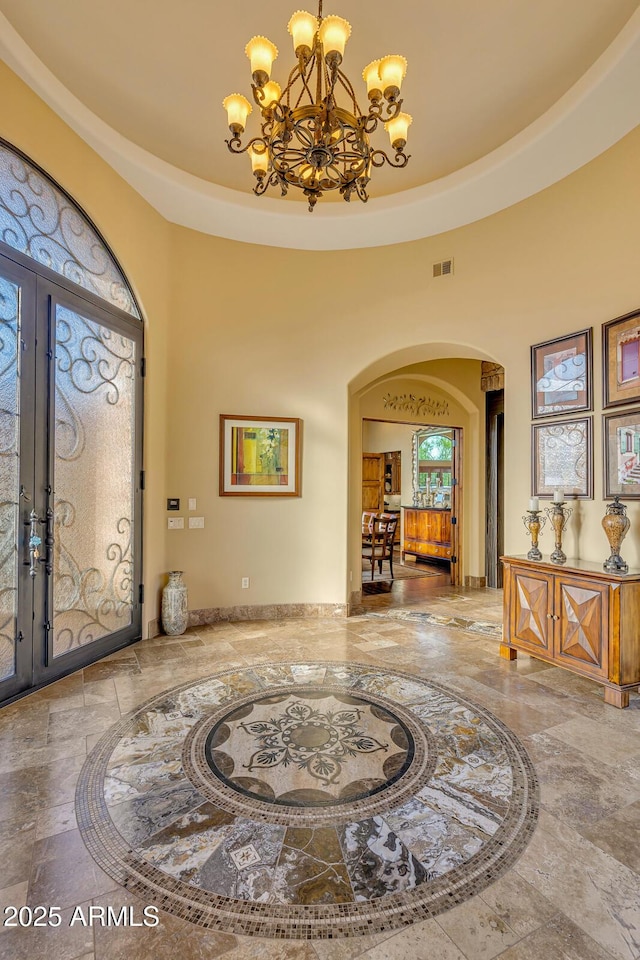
x=313, y=134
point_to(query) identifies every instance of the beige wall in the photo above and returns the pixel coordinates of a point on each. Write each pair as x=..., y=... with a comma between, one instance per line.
x=239, y=329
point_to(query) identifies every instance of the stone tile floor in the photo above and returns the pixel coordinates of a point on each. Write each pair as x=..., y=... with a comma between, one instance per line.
x=573, y=895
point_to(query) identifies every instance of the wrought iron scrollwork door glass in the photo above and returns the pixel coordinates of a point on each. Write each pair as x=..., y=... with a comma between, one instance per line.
x=9, y=464
x=93, y=481
x=43, y=222
x=17, y=296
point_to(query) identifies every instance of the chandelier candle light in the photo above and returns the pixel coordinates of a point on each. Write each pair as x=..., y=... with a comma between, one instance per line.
x=309, y=139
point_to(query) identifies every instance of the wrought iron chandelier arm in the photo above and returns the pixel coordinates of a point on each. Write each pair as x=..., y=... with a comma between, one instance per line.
x=361, y=190
x=379, y=158
x=370, y=123
x=263, y=183
x=376, y=112
x=235, y=144
x=258, y=95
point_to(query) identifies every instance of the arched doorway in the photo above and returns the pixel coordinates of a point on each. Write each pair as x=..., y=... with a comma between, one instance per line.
x=438, y=384
x=71, y=366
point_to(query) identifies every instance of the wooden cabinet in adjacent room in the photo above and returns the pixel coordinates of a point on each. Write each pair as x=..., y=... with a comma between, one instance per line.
x=372, y=481
x=427, y=533
x=575, y=616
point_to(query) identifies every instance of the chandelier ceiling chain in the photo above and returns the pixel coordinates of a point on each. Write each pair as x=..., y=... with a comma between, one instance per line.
x=308, y=138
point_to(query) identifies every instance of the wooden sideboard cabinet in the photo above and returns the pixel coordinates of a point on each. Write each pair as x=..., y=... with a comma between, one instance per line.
x=576, y=616
x=427, y=533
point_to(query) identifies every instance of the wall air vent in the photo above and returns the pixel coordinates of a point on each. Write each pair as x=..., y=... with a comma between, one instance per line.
x=444, y=268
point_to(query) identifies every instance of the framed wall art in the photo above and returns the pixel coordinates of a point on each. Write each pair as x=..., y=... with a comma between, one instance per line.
x=621, y=438
x=621, y=359
x=259, y=456
x=561, y=375
x=562, y=458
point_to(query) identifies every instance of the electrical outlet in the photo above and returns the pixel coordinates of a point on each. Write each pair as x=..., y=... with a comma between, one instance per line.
x=245, y=583
x=192, y=503
x=196, y=523
x=175, y=523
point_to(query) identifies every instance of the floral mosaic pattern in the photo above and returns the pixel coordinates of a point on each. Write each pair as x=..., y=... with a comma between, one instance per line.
x=316, y=741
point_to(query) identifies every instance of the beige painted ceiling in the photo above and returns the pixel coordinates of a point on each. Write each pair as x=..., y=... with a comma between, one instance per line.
x=480, y=71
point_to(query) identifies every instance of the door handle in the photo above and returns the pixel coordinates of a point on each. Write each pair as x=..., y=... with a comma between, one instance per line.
x=35, y=542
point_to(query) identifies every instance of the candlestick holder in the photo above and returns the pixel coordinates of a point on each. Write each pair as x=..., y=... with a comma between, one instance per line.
x=559, y=516
x=534, y=521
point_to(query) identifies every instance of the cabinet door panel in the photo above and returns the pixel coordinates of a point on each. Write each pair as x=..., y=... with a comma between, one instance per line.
x=530, y=614
x=411, y=531
x=372, y=474
x=581, y=637
x=439, y=527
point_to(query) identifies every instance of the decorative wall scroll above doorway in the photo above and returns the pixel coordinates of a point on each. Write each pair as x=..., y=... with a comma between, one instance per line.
x=419, y=406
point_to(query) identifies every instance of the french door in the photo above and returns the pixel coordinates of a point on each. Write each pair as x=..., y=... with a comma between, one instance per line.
x=70, y=472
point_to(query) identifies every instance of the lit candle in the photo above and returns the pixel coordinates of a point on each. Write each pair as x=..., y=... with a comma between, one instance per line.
x=558, y=496
x=534, y=504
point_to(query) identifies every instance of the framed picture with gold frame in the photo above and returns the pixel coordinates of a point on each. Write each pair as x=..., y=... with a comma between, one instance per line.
x=621, y=359
x=259, y=456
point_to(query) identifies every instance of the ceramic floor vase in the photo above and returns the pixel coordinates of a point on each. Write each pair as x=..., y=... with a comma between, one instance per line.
x=174, y=605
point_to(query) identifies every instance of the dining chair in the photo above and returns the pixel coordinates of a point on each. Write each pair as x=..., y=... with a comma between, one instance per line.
x=380, y=548
x=368, y=516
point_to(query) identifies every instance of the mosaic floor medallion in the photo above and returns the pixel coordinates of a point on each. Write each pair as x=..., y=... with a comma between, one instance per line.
x=307, y=800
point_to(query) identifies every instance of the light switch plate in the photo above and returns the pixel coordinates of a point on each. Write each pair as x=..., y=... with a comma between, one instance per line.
x=192, y=503
x=175, y=523
x=196, y=523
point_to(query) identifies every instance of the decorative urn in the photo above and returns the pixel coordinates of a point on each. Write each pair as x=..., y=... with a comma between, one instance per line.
x=615, y=524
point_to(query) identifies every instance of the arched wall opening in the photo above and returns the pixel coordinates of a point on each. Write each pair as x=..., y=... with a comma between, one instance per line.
x=428, y=384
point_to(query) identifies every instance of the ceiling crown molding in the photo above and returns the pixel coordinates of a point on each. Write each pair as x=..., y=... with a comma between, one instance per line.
x=600, y=109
